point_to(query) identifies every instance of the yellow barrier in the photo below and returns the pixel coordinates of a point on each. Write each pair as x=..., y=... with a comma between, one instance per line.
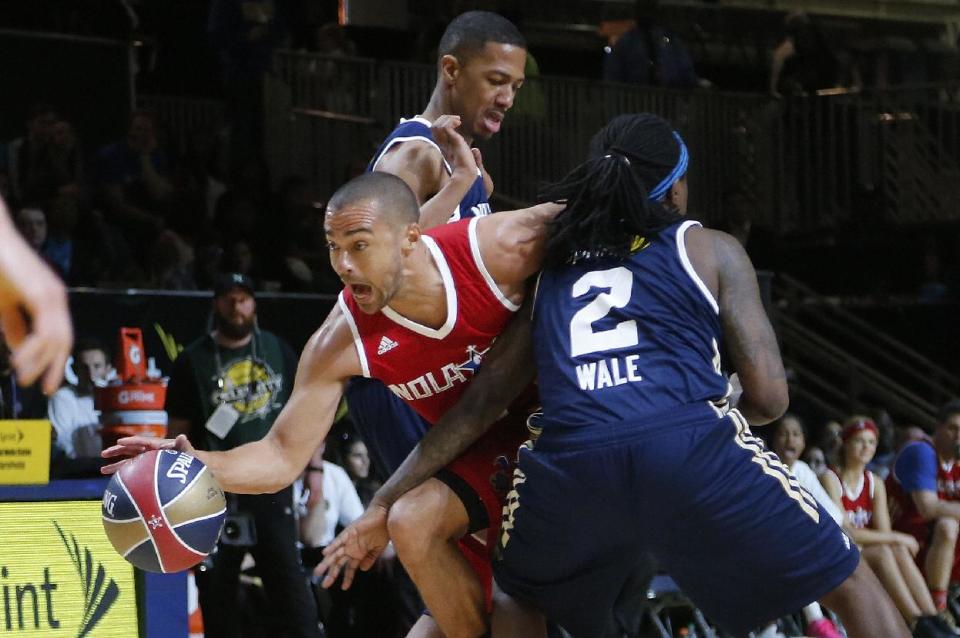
x=59, y=576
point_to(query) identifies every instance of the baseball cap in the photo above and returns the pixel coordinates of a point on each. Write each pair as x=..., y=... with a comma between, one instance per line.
x=228, y=281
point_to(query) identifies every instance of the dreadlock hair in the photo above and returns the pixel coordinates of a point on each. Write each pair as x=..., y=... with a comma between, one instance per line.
x=607, y=199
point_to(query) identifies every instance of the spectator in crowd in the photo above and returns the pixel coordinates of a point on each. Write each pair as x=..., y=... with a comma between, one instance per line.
x=355, y=459
x=326, y=499
x=239, y=258
x=226, y=389
x=813, y=457
x=924, y=490
x=788, y=438
x=25, y=153
x=171, y=263
x=910, y=434
x=32, y=224
x=650, y=54
x=329, y=499
x=71, y=409
x=208, y=263
x=885, y=453
x=17, y=402
x=57, y=169
x=862, y=496
x=829, y=441
x=298, y=245
x=804, y=62
x=133, y=175
x=79, y=259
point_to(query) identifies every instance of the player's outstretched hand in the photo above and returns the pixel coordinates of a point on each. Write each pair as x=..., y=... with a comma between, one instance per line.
x=454, y=148
x=33, y=312
x=355, y=547
x=130, y=446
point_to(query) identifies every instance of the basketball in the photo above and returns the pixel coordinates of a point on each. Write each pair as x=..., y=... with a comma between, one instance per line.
x=163, y=511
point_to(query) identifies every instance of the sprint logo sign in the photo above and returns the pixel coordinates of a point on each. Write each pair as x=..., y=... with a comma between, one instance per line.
x=59, y=575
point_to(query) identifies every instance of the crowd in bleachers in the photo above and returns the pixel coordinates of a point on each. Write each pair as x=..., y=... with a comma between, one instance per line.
x=133, y=214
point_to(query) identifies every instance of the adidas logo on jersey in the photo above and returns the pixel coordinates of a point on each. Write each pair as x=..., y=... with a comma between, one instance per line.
x=386, y=344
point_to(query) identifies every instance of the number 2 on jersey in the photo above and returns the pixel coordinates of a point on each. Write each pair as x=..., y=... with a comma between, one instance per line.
x=583, y=338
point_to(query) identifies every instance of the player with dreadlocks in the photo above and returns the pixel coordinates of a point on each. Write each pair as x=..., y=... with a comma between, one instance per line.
x=640, y=450
x=613, y=180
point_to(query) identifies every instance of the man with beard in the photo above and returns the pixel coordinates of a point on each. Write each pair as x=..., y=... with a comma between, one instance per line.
x=227, y=388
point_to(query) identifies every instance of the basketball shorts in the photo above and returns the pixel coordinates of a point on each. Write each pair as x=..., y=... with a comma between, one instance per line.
x=480, y=478
x=719, y=512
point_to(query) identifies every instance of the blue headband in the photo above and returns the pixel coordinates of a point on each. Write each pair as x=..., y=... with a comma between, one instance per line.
x=660, y=190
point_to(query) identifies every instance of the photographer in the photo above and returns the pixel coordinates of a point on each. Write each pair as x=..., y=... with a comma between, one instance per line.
x=226, y=390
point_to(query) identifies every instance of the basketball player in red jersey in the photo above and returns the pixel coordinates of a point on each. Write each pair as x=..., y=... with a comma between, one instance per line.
x=418, y=312
x=33, y=311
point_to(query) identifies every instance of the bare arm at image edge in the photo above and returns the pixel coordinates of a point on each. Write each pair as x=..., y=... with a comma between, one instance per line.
x=33, y=311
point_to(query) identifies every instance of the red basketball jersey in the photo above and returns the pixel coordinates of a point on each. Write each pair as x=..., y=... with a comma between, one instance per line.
x=903, y=511
x=430, y=367
x=858, y=503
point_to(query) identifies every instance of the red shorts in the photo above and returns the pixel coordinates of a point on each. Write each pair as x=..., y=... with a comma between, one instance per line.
x=924, y=535
x=487, y=469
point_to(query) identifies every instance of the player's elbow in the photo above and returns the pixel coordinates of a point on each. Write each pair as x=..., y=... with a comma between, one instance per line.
x=766, y=406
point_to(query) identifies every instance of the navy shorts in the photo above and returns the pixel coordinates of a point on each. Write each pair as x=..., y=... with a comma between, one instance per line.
x=389, y=427
x=720, y=513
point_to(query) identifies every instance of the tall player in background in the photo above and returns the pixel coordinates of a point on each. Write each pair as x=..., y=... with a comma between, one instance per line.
x=33, y=311
x=480, y=68
x=640, y=451
x=418, y=312
x=481, y=59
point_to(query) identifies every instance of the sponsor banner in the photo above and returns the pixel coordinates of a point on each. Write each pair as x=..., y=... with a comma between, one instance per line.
x=59, y=575
x=25, y=452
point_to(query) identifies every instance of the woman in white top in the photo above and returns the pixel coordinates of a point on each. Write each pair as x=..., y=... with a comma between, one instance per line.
x=787, y=439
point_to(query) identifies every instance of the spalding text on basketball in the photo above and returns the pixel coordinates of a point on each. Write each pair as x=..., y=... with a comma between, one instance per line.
x=109, y=498
x=180, y=468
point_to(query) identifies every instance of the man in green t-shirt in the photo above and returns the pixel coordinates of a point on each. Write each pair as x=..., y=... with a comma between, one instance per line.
x=227, y=388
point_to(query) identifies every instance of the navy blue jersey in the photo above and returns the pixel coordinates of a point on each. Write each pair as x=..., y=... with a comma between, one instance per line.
x=474, y=204
x=618, y=340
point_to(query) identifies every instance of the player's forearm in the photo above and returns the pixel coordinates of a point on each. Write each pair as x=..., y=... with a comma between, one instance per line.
x=505, y=372
x=254, y=468
x=437, y=210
